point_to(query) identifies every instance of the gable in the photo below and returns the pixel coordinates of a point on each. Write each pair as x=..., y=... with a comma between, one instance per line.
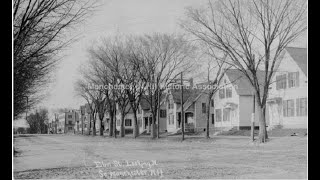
x=241, y=83
x=299, y=56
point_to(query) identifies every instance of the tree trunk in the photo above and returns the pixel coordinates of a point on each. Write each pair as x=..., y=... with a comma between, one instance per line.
x=153, y=127
x=208, y=120
x=89, y=130
x=81, y=124
x=115, y=125
x=136, y=126
x=101, y=127
x=94, y=128
x=110, y=124
x=122, y=129
x=262, y=124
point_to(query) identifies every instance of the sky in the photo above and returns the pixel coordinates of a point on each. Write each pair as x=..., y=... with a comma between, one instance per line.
x=113, y=17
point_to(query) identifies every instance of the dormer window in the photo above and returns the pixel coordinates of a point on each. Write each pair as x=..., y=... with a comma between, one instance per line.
x=281, y=81
x=221, y=93
x=293, y=79
x=228, y=92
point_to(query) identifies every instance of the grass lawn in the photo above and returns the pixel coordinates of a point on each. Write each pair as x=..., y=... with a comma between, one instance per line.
x=272, y=133
x=76, y=157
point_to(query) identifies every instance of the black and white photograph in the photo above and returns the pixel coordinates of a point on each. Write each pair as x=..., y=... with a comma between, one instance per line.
x=160, y=89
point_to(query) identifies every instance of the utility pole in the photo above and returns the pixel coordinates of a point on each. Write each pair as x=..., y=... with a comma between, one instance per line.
x=182, y=114
x=158, y=114
x=27, y=109
x=252, y=118
x=82, y=113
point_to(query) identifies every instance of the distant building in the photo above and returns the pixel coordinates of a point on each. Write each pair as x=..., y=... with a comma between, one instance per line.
x=71, y=121
x=59, y=123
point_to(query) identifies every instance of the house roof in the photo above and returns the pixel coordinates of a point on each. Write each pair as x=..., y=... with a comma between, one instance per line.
x=176, y=94
x=144, y=101
x=299, y=55
x=193, y=98
x=241, y=82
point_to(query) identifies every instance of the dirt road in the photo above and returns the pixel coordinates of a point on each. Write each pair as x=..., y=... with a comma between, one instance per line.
x=80, y=157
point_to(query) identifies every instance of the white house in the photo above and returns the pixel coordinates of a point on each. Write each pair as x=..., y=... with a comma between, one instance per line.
x=233, y=103
x=144, y=117
x=287, y=101
x=195, y=103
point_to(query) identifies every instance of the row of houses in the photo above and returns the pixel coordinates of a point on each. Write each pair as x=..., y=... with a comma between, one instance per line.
x=66, y=122
x=230, y=107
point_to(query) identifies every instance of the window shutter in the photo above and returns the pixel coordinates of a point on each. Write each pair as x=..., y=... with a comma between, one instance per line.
x=285, y=108
x=292, y=107
x=298, y=107
x=297, y=79
x=290, y=79
x=306, y=106
x=285, y=80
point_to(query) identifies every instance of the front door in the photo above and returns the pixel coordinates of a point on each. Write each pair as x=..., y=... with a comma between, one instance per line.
x=145, y=123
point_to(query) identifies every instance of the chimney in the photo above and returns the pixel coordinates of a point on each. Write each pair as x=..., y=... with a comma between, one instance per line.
x=191, y=82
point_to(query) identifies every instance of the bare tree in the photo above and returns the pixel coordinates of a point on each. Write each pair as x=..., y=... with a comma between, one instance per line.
x=164, y=58
x=131, y=77
x=132, y=63
x=109, y=61
x=40, y=32
x=38, y=121
x=93, y=96
x=217, y=67
x=253, y=34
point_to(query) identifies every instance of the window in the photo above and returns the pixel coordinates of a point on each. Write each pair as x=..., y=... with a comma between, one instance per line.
x=139, y=110
x=69, y=116
x=281, y=81
x=288, y=108
x=228, y=92
x=293, y=79
x=204, y=108
x=301, y=107
x=212, y=103
x=70, y=128
x=221, y=93
x=163, y=113
x=70, y=122
x=118, y=122
x=226, y=114
x=107, y=120
x=127, y=122
x=170, y=104
x=218, y=115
